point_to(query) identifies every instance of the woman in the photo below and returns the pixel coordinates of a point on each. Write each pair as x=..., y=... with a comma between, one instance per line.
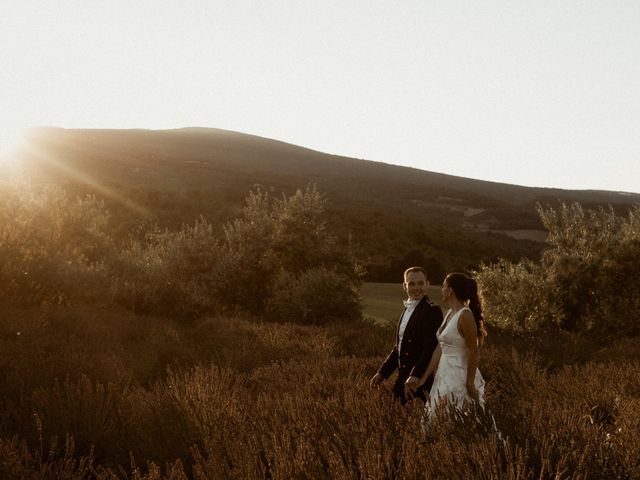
x=458, y=382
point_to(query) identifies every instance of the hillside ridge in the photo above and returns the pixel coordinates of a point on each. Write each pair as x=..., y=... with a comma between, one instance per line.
x=223, y=148
x=393, y=215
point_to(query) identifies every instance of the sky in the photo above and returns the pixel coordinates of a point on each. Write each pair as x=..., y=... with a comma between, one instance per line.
x=539, y=92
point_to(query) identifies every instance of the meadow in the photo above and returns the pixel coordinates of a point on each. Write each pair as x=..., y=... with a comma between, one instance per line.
x=247, y=353
x=98, y=393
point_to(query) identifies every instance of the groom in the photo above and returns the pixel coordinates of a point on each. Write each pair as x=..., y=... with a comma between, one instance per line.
x=415, y=339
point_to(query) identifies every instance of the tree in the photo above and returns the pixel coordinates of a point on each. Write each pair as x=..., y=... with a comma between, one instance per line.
x=278, y=244
x=586, y=280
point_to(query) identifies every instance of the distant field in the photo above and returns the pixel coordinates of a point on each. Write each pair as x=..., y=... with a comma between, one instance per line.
x=383, y=301
x=534, y=235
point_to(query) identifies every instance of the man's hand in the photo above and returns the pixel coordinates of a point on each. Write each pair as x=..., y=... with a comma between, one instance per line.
x=411, y=385
x=376, y=381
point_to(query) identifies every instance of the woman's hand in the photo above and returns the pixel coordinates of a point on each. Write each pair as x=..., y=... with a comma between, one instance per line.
x=472, y=391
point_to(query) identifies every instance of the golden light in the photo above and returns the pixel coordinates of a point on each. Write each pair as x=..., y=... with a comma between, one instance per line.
x=10, y=142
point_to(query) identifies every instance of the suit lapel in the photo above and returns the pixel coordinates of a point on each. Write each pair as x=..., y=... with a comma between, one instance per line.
x=411, y=320
x=398, y=327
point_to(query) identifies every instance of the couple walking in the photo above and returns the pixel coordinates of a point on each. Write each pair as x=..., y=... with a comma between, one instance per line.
x=436, y=357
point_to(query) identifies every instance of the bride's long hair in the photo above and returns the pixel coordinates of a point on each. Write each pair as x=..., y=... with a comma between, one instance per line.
x=466, y=289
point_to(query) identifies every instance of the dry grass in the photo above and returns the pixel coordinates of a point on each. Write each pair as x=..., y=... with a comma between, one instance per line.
x=121, y=396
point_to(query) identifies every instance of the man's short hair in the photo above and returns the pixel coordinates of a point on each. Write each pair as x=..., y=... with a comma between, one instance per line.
x=415, y=269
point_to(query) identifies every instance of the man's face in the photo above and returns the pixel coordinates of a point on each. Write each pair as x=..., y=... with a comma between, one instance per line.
x=415, y=284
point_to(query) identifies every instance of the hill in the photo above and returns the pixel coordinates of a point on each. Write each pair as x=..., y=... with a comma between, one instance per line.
x=393, y=215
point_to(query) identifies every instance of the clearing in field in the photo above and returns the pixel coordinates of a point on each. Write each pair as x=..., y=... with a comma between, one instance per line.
x=383, y=301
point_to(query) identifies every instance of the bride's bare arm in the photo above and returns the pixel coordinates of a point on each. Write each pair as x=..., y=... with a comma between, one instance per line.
x=433, y=365
x=468, y=329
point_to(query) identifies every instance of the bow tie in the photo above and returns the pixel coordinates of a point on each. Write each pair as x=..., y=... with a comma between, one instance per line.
x=410, y=303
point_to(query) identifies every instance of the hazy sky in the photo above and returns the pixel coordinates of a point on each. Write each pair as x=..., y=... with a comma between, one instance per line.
x=536, y=92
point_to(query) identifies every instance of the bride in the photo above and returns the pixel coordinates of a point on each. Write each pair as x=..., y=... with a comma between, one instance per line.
x=458, y=383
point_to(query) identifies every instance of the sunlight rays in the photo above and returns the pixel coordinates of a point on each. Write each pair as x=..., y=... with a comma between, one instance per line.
x=38, y=159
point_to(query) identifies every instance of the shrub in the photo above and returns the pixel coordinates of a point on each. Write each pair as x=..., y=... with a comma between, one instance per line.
x=92, y=413
x=19, y=463
x=586, y=280
x=273, y=246
x=182, y=410
x=248, y=344
x=168, y=273
x=50, y=244
x=511, y=294
x=243, y=267
x=314, y=296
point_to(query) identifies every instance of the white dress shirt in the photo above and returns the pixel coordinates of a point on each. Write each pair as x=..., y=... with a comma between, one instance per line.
x=410, y=306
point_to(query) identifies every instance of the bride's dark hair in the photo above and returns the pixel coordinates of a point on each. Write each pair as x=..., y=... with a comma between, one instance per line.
x=466, y=289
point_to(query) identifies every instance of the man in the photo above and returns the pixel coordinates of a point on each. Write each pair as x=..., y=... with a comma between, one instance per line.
x=415, y=339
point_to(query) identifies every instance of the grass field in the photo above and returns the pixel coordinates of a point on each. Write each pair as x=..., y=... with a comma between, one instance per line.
x=383, y=301
x=149, y=398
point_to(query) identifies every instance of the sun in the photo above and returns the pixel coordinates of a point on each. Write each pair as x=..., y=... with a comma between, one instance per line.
x=10, y=141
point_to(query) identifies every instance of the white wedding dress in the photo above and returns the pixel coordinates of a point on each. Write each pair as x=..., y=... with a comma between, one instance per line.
x=449, y=384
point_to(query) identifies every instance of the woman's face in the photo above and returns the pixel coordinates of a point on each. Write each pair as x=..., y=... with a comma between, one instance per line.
x=446, y=291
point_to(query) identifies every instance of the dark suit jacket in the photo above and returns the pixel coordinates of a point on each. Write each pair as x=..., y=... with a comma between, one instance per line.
x=418, y=343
